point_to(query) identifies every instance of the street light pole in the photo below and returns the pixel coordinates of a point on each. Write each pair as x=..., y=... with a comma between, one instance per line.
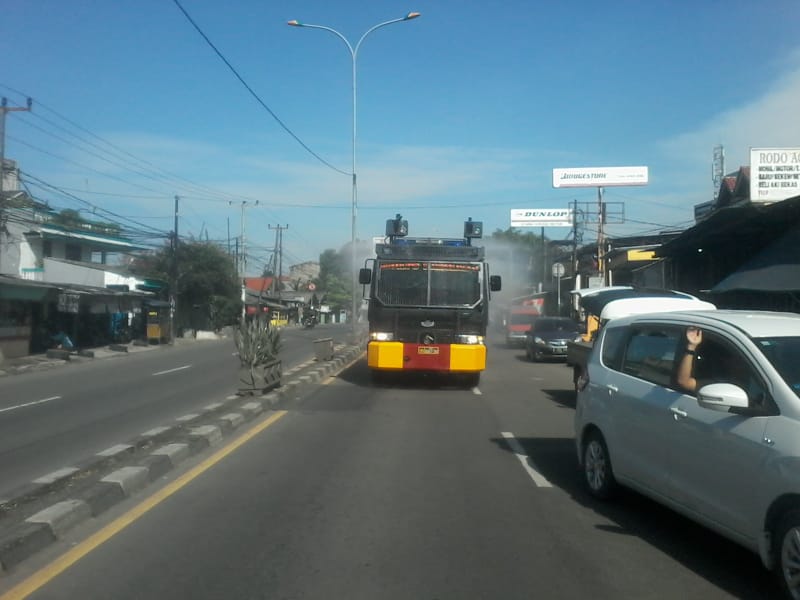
x=354, y=195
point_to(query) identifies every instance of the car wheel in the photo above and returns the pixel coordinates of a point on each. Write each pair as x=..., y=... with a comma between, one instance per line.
x=787, y=551
x=537, y=355
x=597, y=471
x=528, y=354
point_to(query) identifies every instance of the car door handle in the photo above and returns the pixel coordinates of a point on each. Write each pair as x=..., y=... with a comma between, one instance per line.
x=677, y=412
x=612, y=388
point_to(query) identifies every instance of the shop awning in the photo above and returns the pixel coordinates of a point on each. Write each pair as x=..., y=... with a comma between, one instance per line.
x=775, y=269
x=13, y=288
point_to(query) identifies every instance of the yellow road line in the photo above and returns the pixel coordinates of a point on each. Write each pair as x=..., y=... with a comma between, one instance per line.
x=69, y=558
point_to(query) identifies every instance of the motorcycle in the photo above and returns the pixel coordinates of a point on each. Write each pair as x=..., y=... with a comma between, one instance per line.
x=309, y=322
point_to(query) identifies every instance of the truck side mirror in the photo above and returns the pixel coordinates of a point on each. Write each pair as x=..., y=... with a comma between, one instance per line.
x=494, y=283
x=364, y=276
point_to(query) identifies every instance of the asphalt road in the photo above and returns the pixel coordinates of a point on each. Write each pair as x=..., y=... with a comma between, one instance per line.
x=52, y=420
x=406, y=491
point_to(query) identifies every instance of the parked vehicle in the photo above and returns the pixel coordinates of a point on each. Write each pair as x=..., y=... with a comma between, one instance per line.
x=612, y=303
x=548, y=338
x=518, y=322
x=726, y=455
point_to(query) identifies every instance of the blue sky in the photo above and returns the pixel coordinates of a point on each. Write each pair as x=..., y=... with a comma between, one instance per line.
x=463, y=112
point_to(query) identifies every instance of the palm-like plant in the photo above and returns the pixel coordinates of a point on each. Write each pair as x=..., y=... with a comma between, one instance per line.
x=258, y=344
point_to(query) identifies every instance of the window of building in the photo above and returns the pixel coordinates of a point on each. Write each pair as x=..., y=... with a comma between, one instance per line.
x=72, y=252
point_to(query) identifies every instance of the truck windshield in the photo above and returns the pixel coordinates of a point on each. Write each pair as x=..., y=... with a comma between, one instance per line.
x=423, y=283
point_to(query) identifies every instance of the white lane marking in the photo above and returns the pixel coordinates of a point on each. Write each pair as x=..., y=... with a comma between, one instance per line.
x=172, y=370
x=477, y=391
x=35, y=402
x=537, y=477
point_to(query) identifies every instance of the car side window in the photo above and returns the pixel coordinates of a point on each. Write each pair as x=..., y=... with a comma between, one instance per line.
x=613, y=346
x=718, y=361
x=650, y=354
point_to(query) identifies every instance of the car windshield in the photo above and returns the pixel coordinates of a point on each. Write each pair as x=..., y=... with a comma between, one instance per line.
x=560, y=325
x=784, y=354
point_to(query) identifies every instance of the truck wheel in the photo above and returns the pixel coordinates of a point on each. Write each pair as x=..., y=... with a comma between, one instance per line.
x=787, y=552
x=471, y=380
x=597, y=472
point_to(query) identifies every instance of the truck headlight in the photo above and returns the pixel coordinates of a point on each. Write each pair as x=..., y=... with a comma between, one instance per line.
x=381, y=336
x=469, y=339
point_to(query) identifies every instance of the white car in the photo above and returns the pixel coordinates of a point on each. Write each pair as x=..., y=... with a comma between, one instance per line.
x=726, y=455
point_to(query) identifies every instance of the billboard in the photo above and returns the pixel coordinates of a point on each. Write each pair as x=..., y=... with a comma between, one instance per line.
x=599, y=176
x=541, y=217
x=774, y=174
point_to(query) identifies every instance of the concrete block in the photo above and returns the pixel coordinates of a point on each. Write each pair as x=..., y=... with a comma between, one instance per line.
x=157, y=465
x=131, y=479
x=234, y=419
x=102, y=496
x=118, y=347
x=58, y=353
x=176, y=453
x=22, y=541
x=252, y=409
x=63, y=516
x=210, y=433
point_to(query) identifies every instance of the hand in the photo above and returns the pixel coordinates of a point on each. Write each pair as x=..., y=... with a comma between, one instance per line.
x=694, y=337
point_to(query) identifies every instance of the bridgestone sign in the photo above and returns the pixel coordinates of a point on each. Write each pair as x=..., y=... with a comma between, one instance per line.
x=541, y=217
x=600, y=177
x=774, y=174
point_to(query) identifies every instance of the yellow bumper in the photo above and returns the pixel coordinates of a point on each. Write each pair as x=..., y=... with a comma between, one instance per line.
x=400, y=356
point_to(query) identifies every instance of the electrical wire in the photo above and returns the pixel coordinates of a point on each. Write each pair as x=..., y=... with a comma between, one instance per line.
x=253, y=94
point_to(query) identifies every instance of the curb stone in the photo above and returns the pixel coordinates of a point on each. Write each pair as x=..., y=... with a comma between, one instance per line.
x=24, y=538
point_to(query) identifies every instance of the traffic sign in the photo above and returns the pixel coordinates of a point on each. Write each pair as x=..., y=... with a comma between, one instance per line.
x=558, y=270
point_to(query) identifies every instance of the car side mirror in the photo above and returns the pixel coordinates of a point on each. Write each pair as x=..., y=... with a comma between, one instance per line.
x=722, y=397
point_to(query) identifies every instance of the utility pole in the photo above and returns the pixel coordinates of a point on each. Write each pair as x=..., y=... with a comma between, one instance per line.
x=279, y=263
x=600, y=236
x=241, y=263
x=5, y=108
x=575, y=244
x=173, y=285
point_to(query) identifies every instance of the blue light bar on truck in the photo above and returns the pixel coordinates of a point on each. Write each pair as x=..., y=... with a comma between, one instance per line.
x=421, y=248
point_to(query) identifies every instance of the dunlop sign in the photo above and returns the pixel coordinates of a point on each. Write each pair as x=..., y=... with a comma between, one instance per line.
x=774, y=174
x=541, y=217
x=600, y=177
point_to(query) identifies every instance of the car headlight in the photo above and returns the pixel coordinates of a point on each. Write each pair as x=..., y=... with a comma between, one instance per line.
x=381, y=336
x=539, y=340
x=469, y=339
x=578, y=339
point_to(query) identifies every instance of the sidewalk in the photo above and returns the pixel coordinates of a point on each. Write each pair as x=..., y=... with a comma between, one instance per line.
x=39, y=362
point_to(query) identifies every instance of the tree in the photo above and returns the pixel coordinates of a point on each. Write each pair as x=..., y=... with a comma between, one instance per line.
x=207, y=280
x=334, y=279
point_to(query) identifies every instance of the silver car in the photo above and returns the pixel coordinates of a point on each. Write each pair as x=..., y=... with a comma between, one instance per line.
x=701, y=412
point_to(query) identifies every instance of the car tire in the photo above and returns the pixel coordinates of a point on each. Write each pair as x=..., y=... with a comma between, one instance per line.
x=597, y=472
x=787, y=553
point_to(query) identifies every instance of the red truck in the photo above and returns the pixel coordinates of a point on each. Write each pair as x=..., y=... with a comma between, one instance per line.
x=519, y=318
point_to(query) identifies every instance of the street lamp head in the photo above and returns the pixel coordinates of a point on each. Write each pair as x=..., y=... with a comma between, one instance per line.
x=295, y=23
x=411, y=15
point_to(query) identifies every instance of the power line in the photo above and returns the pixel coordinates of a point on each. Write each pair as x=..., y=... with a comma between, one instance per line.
x=254, y=95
